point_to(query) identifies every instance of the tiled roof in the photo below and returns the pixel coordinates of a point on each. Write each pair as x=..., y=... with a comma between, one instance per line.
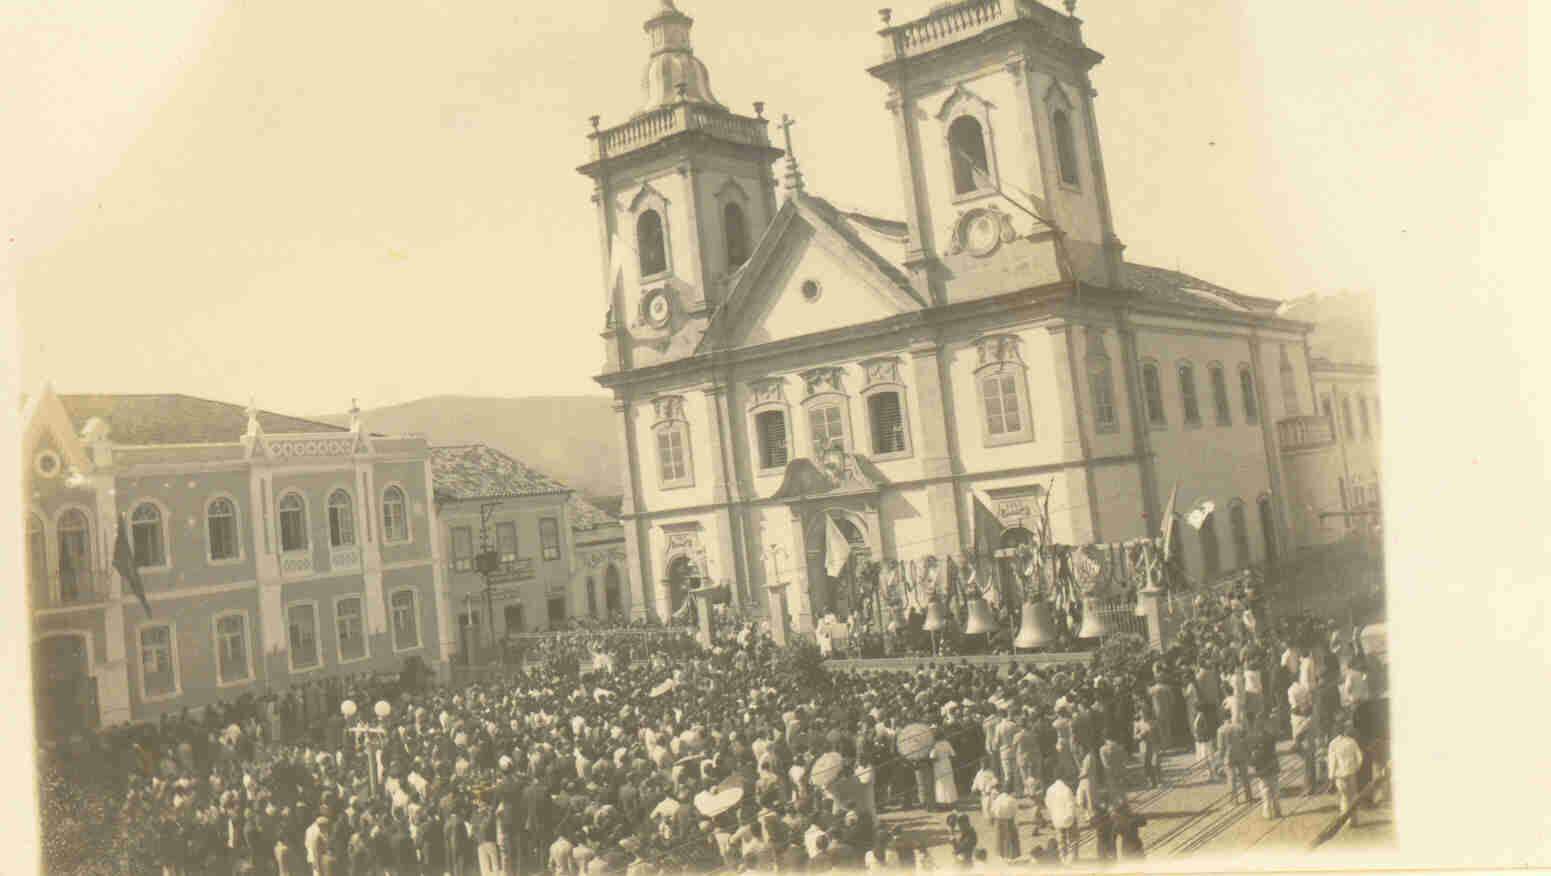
x=1175, y=287
x=177, y=419
x=587, y=516
x=478, y=471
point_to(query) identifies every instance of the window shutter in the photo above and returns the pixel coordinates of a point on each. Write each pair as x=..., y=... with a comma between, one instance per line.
x=888, y=423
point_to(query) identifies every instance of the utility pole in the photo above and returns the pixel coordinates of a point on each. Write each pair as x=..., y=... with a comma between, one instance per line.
x=487, y=562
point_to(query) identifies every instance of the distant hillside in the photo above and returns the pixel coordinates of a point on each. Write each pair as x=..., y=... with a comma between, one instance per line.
x=1346, y=324
x=571, y=438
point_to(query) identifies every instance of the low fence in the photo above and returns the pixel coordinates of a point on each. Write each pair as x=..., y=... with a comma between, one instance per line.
x=910, y=664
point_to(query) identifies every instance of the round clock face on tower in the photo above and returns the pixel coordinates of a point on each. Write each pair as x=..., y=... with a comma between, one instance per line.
x=982, y=233
x=657, y=308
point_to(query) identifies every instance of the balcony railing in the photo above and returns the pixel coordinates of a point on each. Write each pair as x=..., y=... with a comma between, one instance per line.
x=1304, y=433
x=507, y=572
x=953, y=22
x=664, y=122
x=344, y=559
x=75, y=589
x=296, y=564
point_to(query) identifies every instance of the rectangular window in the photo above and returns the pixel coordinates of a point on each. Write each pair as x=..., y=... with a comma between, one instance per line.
x=888, y=423
x=406, y=626
x=512, y=614
x=506, y=542
x=771, y=427
x=1152, y=390
x=158, y=672
x=556, y=611
x=231, y=634
x=221, y=528
x=302, y=623
x=671, y=455
x=462, y=548
x=828, y=427
x=1101, y=388
x=1187, y=395
x=1220, y=397
x=352, y=631
x=549, y=538
x=1001, y=399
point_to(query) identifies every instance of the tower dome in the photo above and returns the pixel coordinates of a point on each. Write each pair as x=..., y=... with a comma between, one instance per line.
x=673, y=66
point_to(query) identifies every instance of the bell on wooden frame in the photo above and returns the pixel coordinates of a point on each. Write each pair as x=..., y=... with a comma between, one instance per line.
x=1094, y=626
x=1038, y=627
x=979, y=618
x=934, y=619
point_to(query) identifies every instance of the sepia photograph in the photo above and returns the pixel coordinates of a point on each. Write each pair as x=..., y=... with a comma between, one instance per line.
x=696, y=436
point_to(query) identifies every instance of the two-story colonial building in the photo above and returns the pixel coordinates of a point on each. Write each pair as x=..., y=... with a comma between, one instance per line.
x=270, y=550
x=558, y=556
x=779, y=361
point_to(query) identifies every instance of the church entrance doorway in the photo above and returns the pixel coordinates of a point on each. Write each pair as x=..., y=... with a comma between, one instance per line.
x=683, y=576
x=841, y=594
x=64, y=691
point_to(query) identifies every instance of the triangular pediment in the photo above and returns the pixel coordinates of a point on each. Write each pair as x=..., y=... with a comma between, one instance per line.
x=809, y=273
x=47, y=426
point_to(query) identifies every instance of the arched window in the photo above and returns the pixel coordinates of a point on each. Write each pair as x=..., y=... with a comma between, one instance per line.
x=1100, y=384
x=1239, y=523
x=770, y=429
x=1289, y=384
x=651, y=244
x=1187, y=394
x=75, y=555
x=221, y=529
x=737, y=233
x=1152, y=392
x=611, y=591
x=146, y=536
x=1220, y=395
x=1211, y=552
x=1066, y=146
x=293, y=523
x=971, y=168
x=395, y=526
x=1247, y=387
x=37, y=551
x=341, y=519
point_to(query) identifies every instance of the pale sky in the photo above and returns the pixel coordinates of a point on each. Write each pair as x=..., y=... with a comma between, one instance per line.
x=307, y=202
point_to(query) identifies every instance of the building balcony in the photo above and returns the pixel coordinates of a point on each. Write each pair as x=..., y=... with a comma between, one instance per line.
x=296, y=564
x=507, y=572
x=76, y=589
x=1296, y=434
x=345, y=559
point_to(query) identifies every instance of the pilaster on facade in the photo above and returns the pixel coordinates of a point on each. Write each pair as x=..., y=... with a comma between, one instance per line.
x=1280, y=502
x=441, y=584
x=112, y=671
x=1074, y=432
x=641, y=590
x=944, y=493
x=1141, y=440
x=371, y=571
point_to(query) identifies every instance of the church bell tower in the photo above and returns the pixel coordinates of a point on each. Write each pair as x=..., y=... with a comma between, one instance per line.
x=1000, y=162
x=683, y=189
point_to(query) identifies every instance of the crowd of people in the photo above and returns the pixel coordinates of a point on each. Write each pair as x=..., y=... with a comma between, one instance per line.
x=669, y=757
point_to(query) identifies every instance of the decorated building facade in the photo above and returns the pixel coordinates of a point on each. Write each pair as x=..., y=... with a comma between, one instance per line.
x=933, y=381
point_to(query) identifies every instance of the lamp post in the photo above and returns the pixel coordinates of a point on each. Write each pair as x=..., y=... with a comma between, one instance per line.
x=373, y=737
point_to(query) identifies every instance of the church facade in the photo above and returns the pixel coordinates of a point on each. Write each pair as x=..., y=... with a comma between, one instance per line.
x=778, y=362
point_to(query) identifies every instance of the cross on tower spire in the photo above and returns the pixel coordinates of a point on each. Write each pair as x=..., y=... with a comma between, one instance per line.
x=793, y=172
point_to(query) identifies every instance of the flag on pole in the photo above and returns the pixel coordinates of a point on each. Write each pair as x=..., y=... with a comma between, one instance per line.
x=1166, y=524
x=836, y=549
x=124, y=564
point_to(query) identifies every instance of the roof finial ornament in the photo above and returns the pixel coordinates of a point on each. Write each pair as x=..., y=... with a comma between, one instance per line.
x=793, y=173
x=887, y=15
x=253, y=422
x=667, y=6
x=1071, y=7
x=355, y=415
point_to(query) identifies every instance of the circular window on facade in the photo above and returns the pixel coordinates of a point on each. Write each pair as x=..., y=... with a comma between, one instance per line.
x=811, y=290
x=47, y=463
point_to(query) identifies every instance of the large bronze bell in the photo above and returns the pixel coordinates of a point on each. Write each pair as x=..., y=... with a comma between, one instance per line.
x=934, y=619
x=1038, y=627
x=1094, y=626
x=980, y=619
